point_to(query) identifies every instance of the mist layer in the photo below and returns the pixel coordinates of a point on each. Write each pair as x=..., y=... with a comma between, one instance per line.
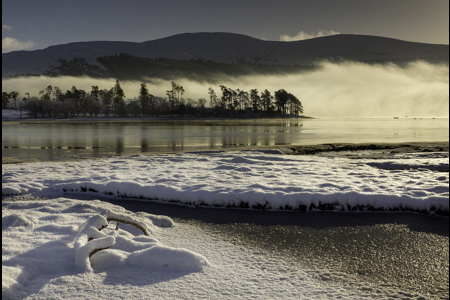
x=346, y=89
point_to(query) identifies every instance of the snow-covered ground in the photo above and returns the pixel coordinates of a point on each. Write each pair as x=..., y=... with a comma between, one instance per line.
x=46, y=244
x=248, y=179
x=8, y=114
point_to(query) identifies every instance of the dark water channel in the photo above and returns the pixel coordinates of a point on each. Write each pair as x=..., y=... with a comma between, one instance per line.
x=392, y=251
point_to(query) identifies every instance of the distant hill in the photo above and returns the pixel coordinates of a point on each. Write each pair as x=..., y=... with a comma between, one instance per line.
x=203, y=54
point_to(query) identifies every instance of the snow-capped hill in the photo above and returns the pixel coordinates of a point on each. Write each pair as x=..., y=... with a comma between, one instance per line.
x=365, y=48
x=232, y=48
x=218, y=46
x=91, y=50
x=221, y=48
x=39, y=61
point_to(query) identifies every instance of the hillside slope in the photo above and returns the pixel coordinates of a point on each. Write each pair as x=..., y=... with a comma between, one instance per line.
x=81, y=58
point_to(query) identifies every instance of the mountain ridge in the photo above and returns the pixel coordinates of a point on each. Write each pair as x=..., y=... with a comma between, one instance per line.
x=82, y=58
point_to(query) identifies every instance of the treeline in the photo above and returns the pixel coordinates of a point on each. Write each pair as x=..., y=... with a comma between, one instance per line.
x=53, y=102
x=129, y=67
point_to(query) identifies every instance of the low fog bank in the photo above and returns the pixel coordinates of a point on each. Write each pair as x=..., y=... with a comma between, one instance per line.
x=347, y=89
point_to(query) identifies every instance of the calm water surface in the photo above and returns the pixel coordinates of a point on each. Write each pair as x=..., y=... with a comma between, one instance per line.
x=74, y=139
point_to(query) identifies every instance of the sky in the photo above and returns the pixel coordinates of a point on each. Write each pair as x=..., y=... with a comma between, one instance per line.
x=30, y=24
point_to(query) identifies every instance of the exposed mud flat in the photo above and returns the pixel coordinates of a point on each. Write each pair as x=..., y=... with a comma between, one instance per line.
x=16, y=160
x=366, y=150
x=348, y=150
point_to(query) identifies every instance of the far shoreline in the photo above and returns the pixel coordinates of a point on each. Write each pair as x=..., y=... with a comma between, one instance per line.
x=7, y=121
x=11, y=119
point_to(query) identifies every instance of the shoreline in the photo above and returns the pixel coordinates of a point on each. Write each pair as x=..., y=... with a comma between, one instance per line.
x=112, y=120
x=367, y=150
x=346, y=150
x=43, y=120
x=348, y=186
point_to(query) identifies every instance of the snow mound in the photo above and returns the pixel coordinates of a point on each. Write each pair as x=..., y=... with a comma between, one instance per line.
x=13, y=281
x=147, y=255
x=64, y=245
x=160, y=221
x=13, y=184
x=7, y=191
x=165, y=257
x=16, y=220
x=94, y=248
x=91, y=240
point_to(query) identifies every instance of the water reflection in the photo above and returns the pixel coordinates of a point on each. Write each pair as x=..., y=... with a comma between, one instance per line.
x=119, y=137
x=55, y=141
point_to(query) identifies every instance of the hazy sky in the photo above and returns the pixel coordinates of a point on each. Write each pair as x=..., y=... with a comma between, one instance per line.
x=31, y=24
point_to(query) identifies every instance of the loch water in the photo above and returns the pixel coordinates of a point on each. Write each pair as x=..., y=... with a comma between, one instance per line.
x=61, y=140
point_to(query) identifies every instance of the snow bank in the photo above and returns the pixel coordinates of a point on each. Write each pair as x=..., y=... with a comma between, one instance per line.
x=249, y=180
x=160, y=221
x=16, y=220
x=49, y=226
x=40, y=239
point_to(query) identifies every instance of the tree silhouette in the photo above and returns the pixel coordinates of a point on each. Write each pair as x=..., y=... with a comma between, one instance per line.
x=232, y=103
x=118, y=96
x=145, y=99
x=266, y=99
x=296, y=106
x=212, y=98
x=281, y=98
x=46, y=93
x=14, y=95
x=171, y=95
x=95, y=92
x=58, y=94
x=5, y=99
x=243, y=99
x=180, y=91
x=227, y=96
x=255, y=100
